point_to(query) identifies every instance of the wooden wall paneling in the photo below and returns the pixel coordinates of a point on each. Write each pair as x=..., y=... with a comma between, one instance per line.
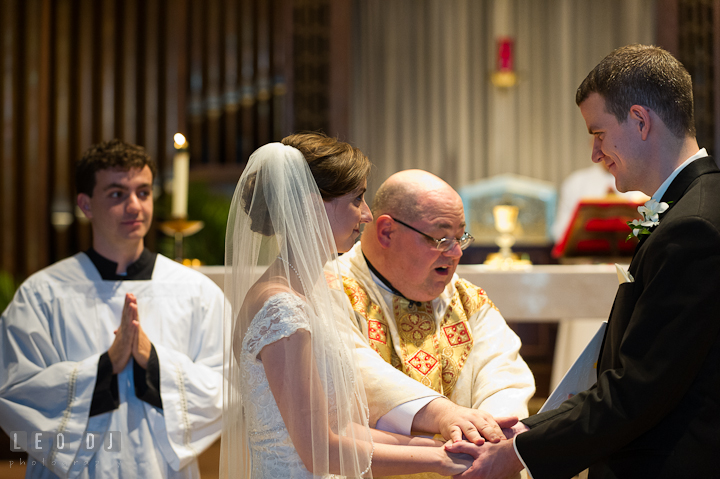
x=704, y=75
x=213, y=106
x=340, y=64
x=197, y=80
x=84, y=126
x=172, y=90
x=61, y=206
x=176, y=68
x=8, y=180
x=667, y=25
x=107, y=62
x=141, y=45
x=282, y=68
x=126, y=104
x=44, y=143
x=149, y=59
x=34, y=205
x=695, y=43
x=157, y=74
x=311, y=51
x=151, y=79
x=85, y=60
x=247, y=78
x=716, y=78
x=76, y=72
x=263, y=86
x=230, y=81
x=161, y=32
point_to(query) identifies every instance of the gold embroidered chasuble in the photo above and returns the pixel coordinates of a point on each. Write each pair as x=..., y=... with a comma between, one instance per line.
x=431, y=352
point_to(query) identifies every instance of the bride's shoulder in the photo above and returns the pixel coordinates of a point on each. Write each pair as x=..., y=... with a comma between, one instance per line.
x=268, y=294
x=272, y=301
x=280, y=313
x=281, y=300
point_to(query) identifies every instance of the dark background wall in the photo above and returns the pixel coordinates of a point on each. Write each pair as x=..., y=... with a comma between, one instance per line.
x=230, y=75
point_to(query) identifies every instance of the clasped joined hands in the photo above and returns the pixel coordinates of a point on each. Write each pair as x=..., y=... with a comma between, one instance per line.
x=130, y=339
x=491, y=460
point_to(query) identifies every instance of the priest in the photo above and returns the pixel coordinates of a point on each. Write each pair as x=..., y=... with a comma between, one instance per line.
x=418, y=315
x=111, y=362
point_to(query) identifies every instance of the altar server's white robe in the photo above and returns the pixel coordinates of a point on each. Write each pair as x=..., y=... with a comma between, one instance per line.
x=60, y=322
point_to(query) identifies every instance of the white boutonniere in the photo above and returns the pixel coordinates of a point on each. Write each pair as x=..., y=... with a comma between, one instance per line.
x=650, y=218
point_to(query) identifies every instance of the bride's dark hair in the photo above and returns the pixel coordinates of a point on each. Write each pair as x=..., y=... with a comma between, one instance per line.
x=337, y=167
x=256, y=208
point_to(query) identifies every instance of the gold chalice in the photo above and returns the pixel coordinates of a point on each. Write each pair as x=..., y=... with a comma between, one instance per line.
x=505, y=223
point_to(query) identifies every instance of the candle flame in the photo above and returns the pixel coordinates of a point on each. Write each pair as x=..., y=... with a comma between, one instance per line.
x=180, y=141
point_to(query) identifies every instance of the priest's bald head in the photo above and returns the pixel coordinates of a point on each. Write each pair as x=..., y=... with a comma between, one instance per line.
x=415, y=241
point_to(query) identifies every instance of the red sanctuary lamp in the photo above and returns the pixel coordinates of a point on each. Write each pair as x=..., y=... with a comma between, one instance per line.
x=504, y=75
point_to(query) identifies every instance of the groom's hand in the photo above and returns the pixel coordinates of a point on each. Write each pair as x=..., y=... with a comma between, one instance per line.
x=452, y=421
x=511, y=432
x=493, y=461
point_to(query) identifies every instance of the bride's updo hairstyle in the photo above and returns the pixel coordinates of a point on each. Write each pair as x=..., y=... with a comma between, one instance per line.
x=256, y=208
x=337, y=167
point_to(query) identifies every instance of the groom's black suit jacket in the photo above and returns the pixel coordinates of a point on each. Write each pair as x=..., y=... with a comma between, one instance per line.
x=655, y=409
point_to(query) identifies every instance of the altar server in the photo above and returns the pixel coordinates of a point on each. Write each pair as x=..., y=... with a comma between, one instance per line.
x=114, y=354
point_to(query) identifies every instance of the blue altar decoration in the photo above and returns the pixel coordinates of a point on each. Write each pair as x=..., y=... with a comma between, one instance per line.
x=536, y=200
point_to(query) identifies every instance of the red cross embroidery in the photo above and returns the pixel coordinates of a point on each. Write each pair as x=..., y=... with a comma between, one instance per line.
x=376, y=331
x=456, y=334
x=423, y=362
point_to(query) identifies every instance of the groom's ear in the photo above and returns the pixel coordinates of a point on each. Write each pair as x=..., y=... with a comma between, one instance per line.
x=384, y=230
x=643, y=120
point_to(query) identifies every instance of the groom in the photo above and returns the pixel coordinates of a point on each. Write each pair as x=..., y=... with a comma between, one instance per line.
x=654, y=409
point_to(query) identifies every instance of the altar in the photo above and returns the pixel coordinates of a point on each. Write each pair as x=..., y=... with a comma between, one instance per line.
x=578, y=297
x=548, y=292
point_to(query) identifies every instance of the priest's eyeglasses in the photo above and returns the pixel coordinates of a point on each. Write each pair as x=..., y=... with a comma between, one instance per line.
x=443, y=244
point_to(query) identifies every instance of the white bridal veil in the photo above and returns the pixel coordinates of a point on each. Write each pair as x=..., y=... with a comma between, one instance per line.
x=278, y=233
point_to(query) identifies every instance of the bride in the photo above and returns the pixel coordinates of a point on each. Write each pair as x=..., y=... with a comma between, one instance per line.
x=294, y=403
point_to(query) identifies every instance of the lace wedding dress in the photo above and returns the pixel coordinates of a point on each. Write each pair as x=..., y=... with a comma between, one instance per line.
x=278, y=211
x=271, y=448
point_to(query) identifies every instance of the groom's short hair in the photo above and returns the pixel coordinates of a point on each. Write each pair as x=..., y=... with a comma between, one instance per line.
x=643, y=75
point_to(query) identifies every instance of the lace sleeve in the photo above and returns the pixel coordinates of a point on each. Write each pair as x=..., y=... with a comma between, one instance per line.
x=280, y=317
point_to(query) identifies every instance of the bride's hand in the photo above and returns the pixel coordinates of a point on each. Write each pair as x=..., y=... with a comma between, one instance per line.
x=457, y=462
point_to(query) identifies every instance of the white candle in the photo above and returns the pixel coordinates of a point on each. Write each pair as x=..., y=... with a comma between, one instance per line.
x=181, y=172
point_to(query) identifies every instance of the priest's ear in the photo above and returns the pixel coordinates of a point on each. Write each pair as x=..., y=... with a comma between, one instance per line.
x=83, y=202
x=384, y=229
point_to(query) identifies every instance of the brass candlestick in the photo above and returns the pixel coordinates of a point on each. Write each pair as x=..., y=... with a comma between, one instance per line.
x=179, y=227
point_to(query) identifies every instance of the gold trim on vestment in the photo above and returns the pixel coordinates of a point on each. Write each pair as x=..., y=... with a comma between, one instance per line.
x=431, y=352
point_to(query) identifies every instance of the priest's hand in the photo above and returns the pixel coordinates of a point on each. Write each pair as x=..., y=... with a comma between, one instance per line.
x=494, y=461
x=453, y=422
x=125, y=336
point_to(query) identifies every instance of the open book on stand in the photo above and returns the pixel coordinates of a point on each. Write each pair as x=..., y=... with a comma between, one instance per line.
x=581, y=375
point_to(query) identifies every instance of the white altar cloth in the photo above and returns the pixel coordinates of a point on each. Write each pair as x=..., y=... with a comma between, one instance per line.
x=578, y=297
